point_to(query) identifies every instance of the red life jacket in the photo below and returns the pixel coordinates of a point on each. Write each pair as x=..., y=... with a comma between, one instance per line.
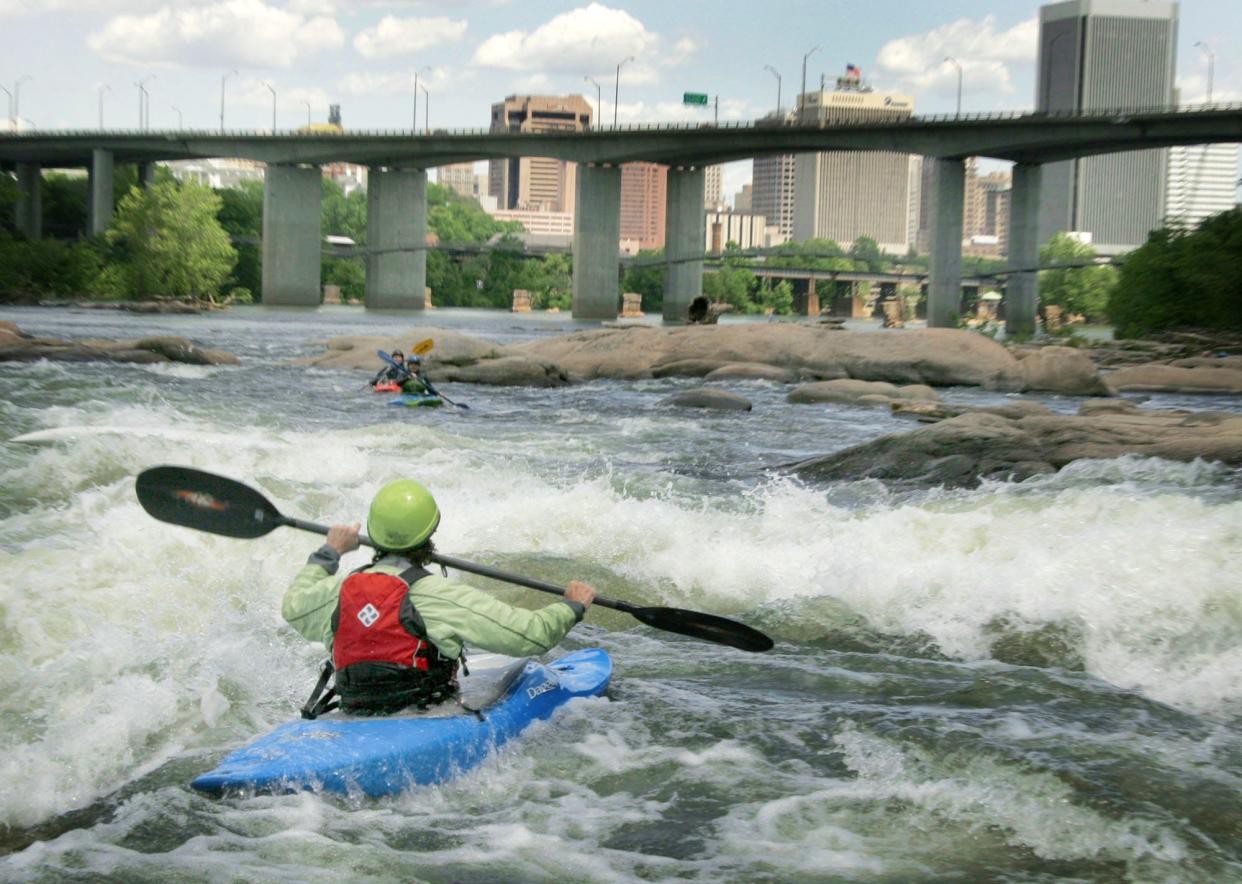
x=383, y=658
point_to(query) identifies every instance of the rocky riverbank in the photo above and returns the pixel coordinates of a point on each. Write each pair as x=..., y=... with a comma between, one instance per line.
x=16, y=346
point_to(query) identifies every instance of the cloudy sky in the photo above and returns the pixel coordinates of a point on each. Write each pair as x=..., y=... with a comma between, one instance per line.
x=468, y=53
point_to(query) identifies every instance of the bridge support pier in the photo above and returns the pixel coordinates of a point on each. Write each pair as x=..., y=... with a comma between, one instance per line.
x=146, y=175
x=101, y=204
x=1022, y=290
x=685, y=233
x=944, y=287
x=396, y=218
x=291, y=238
x=597, y=242
x=29, y=216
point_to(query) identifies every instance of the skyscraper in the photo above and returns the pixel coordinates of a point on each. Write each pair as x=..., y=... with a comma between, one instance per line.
x=1106, y=55
x=536, y=183
x=842, y=195
x=643, y=198
x=713, y=187
x=1203, y=180
x=773, y=192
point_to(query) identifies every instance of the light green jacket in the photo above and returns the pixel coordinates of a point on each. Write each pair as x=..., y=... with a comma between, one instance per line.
x=453, y=613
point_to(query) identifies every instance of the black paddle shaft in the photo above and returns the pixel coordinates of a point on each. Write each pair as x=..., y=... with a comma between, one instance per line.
x=195, y=499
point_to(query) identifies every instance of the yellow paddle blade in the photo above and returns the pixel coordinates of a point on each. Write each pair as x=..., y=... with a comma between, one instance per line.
x=423, y=347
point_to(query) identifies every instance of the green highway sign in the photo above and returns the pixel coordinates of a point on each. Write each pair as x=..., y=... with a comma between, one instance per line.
x=694, y=98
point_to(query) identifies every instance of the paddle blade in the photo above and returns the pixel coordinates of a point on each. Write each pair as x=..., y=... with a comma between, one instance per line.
x=707, y=627
x=423, y=347
x=205, y=501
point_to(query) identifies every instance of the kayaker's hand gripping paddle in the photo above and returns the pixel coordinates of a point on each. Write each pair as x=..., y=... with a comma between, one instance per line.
x=195, y=499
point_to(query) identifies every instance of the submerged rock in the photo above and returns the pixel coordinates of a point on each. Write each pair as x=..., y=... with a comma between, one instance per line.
x=702, y=397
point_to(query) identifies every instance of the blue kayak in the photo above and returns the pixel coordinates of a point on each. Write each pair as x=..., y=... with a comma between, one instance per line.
x=382, y=756
x=417, y=400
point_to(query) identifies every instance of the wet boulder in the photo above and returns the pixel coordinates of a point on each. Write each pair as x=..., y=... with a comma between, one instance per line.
x=1177, y=379
x=702, y=397
x=1062, y=370
x=860, y=392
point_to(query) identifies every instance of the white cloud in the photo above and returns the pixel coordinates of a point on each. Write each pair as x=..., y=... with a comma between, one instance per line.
x=1192, y=89
x=399, y=82
x=241, y=32
x=917, y=62
x=590, y=38
x=399, y=36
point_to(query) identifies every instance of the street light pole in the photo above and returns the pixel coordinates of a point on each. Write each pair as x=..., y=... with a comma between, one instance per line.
x=958, y=64
x=599, y=104
x=1211, y=67
x=17, y=99
x=308, y=111
x=414, y=119
x=273, y=91
x=223, y=80
x=10, y=95
x=143, y=103
x=775, y=73
x=426, y=111
x=802, y=94
x=102, y=89
x=180, y=118
x=616, y=92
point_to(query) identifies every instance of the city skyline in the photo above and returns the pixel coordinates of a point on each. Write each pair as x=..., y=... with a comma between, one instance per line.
x=470, y=54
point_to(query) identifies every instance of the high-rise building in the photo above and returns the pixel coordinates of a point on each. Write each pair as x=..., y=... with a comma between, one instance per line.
x=1203, y=180
x=773, y=194
x=643, y=198
x=842, y=195
x=1106, y=55
x=713, y=187
x=536, y=183
x=744, y=198
x=458, y=176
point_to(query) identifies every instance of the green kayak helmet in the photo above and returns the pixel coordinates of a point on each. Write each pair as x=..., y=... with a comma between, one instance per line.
x=403, y=515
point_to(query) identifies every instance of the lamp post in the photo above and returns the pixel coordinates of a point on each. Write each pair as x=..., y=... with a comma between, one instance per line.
x=1211, y=56
x=308, y=111
x=180, y=118
x=616, y=91
x=17, y=99
x=142, y=101
x=802, y=94
x=223, y=80
x=775, y=73
x=273, y=91
x=414, y=120
x=10, y=95
x=958, y=65
x=102, y=89
x=599, y=104
x=426, y=110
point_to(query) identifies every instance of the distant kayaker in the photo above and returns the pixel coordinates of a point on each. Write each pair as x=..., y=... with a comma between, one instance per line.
x=395, y=630
x=396, y=373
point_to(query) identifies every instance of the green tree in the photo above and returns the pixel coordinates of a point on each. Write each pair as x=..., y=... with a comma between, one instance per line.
x=172, y=242
x=1082, y=290
x=241, y=216
x=1182, y=278
x=647, y=280
x=867, y=255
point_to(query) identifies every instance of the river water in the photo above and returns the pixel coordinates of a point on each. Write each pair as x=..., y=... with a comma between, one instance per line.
x=1022, y=682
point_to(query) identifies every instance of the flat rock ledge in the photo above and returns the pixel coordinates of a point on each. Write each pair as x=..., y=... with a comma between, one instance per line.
x=16, y=346
x=703, y=397
x=961, y=451
x=779, y=352
x=861, y=393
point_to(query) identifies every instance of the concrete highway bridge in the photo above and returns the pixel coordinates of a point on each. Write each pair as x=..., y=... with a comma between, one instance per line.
x=398, y=163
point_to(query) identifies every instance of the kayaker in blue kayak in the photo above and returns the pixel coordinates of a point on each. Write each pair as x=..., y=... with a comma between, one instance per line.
x=396, y=631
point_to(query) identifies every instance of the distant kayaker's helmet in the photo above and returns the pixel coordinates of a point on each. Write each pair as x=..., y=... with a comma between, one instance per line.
x=396, y=353
x=415, y=359
x=403, y=515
